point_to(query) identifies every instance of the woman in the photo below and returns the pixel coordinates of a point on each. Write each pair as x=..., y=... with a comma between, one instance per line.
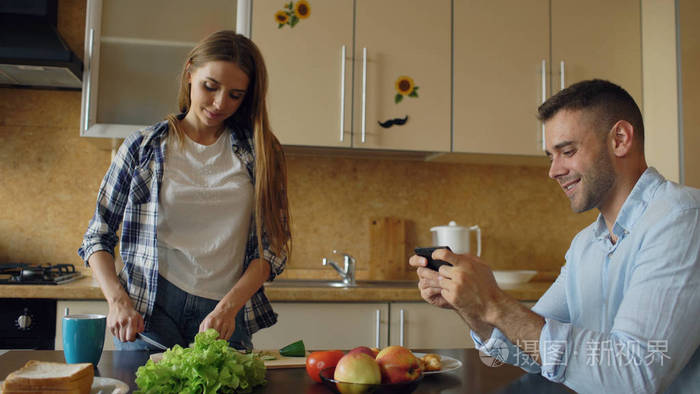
x=202, y=201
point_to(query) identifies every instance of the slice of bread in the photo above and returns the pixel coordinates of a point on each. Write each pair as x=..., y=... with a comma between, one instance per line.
x=46, y=377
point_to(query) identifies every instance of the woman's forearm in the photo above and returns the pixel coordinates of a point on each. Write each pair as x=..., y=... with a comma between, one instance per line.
x=257, y=273
x=102, y=264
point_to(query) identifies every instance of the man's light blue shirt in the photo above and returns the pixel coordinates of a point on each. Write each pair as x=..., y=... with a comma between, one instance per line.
x=624, y=317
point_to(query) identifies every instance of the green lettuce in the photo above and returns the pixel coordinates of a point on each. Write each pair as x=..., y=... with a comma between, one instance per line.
x=209, y=365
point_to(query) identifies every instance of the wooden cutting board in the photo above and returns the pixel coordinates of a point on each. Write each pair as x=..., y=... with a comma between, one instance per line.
x=388, y=253
x=285, y=362
x=278, y=363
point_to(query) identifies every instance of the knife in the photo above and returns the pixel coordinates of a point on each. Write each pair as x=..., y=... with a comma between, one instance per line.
x=151, y=342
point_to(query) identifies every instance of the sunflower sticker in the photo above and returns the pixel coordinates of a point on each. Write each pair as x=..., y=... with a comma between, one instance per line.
x=292, y=13
x=405, y=87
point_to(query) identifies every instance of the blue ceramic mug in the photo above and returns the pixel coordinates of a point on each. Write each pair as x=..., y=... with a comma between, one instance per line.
x=83, y=338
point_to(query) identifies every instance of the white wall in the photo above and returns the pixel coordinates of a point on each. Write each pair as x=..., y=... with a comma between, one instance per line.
x=660, y=86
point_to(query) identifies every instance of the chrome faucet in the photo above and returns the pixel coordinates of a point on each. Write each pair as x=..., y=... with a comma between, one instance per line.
x=348, y=274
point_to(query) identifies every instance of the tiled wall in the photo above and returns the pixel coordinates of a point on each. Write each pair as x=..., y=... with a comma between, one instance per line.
x=49, y=178
x=525, y=218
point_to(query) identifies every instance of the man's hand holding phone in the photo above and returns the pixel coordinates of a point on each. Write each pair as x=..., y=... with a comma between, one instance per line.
x=426, y=268
x=466, y=285
x=433, y=264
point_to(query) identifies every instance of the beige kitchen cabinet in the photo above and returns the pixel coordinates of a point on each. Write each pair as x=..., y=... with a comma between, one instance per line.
x=503, y=68
x=346, y=325
x=134, y=53
x=396, y=38
x=80, y=307
x=327, y=325
x=597, y=39
x=333, y=75
x=418, y=325
x=310, y=72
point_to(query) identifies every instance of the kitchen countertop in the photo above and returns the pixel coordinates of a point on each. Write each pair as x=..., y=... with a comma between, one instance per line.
x=87, y=288
x=530, y=291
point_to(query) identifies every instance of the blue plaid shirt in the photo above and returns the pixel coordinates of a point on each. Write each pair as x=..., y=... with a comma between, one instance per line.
x=129, y=195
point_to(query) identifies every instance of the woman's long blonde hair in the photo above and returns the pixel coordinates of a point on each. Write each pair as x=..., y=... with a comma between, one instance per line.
x=271, y=205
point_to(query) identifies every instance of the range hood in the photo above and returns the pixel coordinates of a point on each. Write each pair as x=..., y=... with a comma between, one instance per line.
x=32, y=53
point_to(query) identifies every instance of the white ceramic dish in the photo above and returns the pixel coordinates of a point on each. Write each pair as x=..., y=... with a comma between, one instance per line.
x=102, y=385
x=448, y=363
x=513, y=277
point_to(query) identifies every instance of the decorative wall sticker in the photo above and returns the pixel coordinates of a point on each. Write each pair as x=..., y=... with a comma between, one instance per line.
x=392, y=122
x=405, y=87
x=281, y=17
x=292, y=13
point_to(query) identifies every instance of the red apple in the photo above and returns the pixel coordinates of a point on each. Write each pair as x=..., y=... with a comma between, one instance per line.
x=398, y=364
x=366, y=350
x=357, y=367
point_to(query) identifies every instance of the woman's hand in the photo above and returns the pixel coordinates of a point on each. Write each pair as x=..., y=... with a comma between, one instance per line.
x=123, y=321
x=222, y=319
x=428, y=282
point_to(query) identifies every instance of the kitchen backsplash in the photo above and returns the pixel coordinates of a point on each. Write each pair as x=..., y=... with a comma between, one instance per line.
x=50, y=178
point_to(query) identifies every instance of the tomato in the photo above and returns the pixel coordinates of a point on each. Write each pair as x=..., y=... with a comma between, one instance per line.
x=317, y=361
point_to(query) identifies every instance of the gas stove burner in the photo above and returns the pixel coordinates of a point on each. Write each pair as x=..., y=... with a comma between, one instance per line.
x=44, y=274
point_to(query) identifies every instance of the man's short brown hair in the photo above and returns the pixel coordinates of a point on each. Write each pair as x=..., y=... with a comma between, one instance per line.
x=606, y=100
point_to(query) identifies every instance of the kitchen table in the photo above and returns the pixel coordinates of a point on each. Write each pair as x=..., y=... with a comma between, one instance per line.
x=473, y=377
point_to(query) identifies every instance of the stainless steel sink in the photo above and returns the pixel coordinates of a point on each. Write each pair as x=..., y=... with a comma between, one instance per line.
x=336, y=283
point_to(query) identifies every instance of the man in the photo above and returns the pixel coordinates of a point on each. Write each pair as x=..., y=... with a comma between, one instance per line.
x=622, y=316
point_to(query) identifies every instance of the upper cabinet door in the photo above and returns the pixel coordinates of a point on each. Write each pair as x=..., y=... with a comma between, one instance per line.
x=134, y=53
x=501, y=67
x=597, y=39
x=308, y=54
x=402, y=73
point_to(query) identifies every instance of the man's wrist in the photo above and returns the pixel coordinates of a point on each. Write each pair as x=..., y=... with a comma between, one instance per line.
x=482, y=329
x=500, y=306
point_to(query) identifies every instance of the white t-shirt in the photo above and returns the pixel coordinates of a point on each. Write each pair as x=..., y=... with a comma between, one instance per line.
x=204, y=211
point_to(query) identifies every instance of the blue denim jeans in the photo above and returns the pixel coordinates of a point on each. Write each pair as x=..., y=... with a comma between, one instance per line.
x=176, y=318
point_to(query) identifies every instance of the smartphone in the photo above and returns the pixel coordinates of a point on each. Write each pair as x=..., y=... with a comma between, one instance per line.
x=428, y=253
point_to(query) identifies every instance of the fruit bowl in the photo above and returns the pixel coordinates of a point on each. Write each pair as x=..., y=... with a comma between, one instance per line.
x=361, y=388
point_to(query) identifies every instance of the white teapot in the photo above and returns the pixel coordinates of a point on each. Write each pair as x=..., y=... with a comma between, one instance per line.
x=456, y=237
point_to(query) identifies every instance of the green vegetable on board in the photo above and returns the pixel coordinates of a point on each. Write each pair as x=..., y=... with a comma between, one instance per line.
x=209, y=365
x=294, y=349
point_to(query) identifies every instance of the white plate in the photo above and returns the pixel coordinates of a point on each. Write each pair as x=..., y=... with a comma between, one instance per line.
x=102, y=385
x=448, y=363
x=513, y=277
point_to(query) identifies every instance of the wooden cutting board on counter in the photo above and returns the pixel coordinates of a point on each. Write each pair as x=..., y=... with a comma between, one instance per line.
x=278, y=363
x=388, y=249
x=284, y=361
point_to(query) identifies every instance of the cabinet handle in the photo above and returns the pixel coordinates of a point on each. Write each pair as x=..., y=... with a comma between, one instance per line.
x=87, y=77
x=244, y=14
x=364, y=92
x=379, y=319
x=562, y=80
x=544, y=95
x=342, y=92
x=402, y=320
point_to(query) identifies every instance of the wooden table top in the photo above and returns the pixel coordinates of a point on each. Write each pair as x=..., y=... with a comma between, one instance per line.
x=473, y=377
